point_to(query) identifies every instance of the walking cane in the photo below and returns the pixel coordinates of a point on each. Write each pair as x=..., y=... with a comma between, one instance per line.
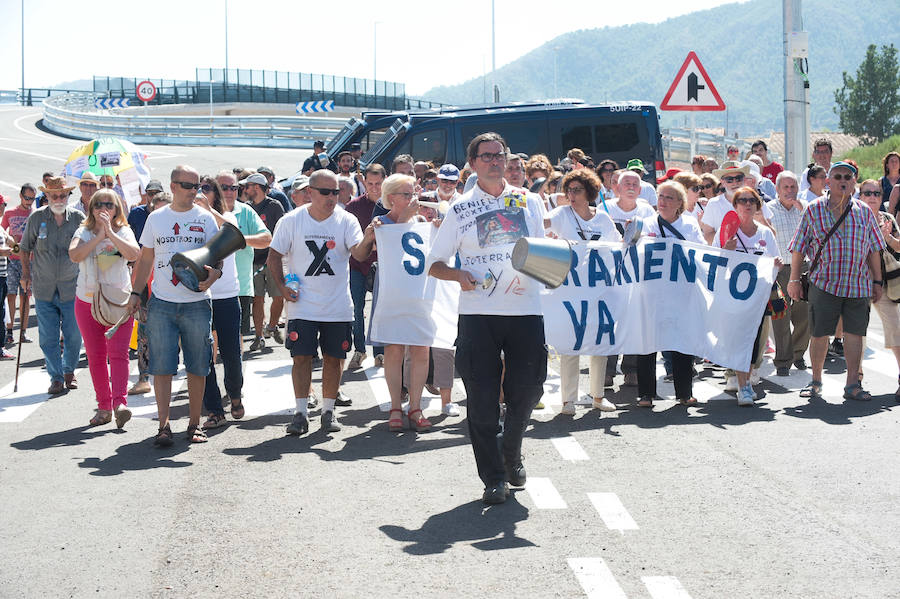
x=21, y=342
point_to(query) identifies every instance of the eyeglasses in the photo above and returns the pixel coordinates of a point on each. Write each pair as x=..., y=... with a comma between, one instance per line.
x=733, y=178
x=107, y=205
x=515, y=169
x=699, y=188
x=607, y=170
x=840, y=177
x=94, y=185
x=574, y=189
x=706, y=186
x=325, y=191
x=206, y=187
x=448, y=181
x=404, y=194
x=29, y=198
x=107, y=184
x=230, y=187
x=668, y=198
x=57, y=196
x=431, y=182
x=186, y=185
x=870, y=193
x=491, y=156
x=745, y=200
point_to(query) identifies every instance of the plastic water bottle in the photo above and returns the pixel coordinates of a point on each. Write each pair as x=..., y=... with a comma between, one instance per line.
x=42, y=232
x=292, y=282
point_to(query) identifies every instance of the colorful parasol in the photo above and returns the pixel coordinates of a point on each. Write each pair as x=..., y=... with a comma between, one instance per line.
x=111, y=156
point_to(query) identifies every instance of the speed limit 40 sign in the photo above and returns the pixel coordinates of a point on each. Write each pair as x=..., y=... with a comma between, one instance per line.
x=146, y=91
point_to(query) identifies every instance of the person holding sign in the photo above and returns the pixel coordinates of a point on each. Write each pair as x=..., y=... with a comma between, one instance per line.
x=671, y=222
x=750, y=238
x=499, y=311
x=398, y=194
x=580, y=221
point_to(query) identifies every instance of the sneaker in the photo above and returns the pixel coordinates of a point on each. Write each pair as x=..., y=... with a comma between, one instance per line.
x=604, y=405
x=140, y=388
x=342, y=400
x=630, y=380
x=312, y=402
x=356, y=360
x=515, y=473
x=5, y=355
x=800, y=364
x=379, y=360
x=731, y=384
x=836, y=348
x=783, y=371
x=258, y=344
x=754, y=376
x=276, y=335
x=299, y=425
x=538, y=406
x=745, y=396
x=495, y=494
x=568, y=408
x=267, y=332
x=329, y=422
x=770, y=349
x=451, y=409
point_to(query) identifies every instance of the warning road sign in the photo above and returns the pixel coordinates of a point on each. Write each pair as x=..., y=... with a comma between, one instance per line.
x=692, y=89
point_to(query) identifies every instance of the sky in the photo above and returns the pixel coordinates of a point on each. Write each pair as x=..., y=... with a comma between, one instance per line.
x=421, y=45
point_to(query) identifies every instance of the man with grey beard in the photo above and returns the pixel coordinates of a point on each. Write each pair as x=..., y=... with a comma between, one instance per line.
x=45, y=254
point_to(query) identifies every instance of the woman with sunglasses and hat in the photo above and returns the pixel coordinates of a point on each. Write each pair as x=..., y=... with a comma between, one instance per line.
x=102, y=247
x=750, y=238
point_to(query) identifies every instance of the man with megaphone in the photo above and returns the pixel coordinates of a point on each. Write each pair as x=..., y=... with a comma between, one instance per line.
x=175, y=313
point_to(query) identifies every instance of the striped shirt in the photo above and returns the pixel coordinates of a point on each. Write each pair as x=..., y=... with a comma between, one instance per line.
x=785, y=223
x=843, y=269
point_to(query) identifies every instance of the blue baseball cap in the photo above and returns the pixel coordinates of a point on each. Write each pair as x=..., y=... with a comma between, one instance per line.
x=449, y=171
x=845, y=165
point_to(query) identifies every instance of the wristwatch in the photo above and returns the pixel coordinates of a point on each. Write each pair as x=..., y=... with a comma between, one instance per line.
x=878, y=283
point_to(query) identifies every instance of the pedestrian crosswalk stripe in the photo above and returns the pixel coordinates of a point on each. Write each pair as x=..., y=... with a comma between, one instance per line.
x=544, y=494
x=613, y=513
x=665, y=587
x=31, y=394
x=569, y=449
x=596, y=578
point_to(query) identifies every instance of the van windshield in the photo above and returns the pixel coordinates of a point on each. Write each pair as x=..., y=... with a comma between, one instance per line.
x=343, y=137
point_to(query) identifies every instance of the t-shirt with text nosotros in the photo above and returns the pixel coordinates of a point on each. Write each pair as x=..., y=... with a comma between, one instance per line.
x=761, y=243
x=641, y=211
x=318, y=252
x=483, y=229
x=169, y=232
x=719, y=206
x=566, y=223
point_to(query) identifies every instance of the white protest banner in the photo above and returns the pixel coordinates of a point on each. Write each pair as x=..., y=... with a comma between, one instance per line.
x=412, y=308
x=661, y=294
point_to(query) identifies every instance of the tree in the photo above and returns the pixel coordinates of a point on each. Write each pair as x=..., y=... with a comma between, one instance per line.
x=869, y=105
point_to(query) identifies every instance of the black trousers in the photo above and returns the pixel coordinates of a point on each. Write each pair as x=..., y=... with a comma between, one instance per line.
x=682, y=371
x=480, y=340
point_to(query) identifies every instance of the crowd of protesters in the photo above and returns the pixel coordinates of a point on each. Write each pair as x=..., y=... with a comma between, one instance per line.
x=82, y=258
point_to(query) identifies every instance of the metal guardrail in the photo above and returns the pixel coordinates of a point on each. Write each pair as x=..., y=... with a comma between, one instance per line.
x=74, y=115
x=677, y=145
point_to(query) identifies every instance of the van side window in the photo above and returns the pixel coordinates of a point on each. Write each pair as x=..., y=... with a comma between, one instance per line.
x=427, y=145
x=528, y=137
x=616, y=137
x=577, y=137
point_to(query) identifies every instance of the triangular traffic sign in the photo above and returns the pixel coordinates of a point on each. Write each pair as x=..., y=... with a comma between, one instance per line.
x=692, y=89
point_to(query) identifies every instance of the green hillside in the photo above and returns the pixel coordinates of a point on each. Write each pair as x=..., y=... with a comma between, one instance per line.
x=740, y=45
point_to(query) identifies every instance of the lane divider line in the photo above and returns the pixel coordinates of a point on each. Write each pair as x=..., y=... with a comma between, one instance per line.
x=544, y=494
x=596, y=578
x=613, y=513
x=570, y=449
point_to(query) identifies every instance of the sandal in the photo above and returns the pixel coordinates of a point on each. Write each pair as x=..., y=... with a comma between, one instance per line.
x=164, y=437
x=237, y=408
x=395, y=423
x=687, y=401
x=214, y=421
x=813, y=390
x=897, y=392
x=196, y=434
x=645, y=402
x=420, y=424
x=100, y=417
x=856, y=393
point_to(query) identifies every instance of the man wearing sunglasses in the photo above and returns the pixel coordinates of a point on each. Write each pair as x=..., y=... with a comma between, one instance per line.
x=177, y=316
x=87, y=185
x=317, y=242
x=732, y=176
x=847, y=276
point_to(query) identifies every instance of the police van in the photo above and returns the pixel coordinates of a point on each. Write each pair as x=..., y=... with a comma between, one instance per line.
x=619, y=131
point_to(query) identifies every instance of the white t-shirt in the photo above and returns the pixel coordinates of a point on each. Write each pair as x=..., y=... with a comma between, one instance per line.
x=319, y=254
x=808, y=196
x=483, y=229
x=168, y=233
x=763, y=243
x=641, y=211
x=684, y=224
x=648, y=192
x=566, y=223
x=719, y=206
x=104, y=263
x=227, y=285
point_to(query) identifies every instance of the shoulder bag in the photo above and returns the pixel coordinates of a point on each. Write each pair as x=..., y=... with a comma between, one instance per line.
x=109, y=305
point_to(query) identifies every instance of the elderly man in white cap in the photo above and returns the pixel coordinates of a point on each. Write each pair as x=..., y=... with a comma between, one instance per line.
x=300, y=191
x=732, y=175
x=87, y=185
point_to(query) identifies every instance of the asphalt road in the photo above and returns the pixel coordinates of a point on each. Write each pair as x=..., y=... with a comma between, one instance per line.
x=784, y=499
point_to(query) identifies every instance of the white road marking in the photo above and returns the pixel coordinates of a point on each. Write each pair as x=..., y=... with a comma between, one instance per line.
x=544, y=494
x=35, y=154
x=41, y=135
x=570, y=449
x=430, y=403
x=613, y=513
x=665, y=587
x=31, y=394
x=596, y=578
x=11, y=185
x=268, y=388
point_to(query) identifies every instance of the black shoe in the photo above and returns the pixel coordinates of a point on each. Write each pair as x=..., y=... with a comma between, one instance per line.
x=299, y=425
x=837, y=347
x=515, y=474
x=342, y=400
x=257, y=344
x=783, y=371
x=800, y=364
x=495, y=494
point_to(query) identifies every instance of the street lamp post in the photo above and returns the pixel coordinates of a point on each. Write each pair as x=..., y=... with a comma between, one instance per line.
x=23, y=52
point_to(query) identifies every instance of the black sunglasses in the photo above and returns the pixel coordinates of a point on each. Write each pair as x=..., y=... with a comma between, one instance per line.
x=107, y=205
x=230, y=187
x=186, y=185
x=870, y=193
x=206, y=187
x=840, y=177
x=107, y=184
x=325, y=191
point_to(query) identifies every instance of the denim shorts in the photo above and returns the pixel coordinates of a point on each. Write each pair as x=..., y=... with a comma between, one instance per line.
x=167, y=324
